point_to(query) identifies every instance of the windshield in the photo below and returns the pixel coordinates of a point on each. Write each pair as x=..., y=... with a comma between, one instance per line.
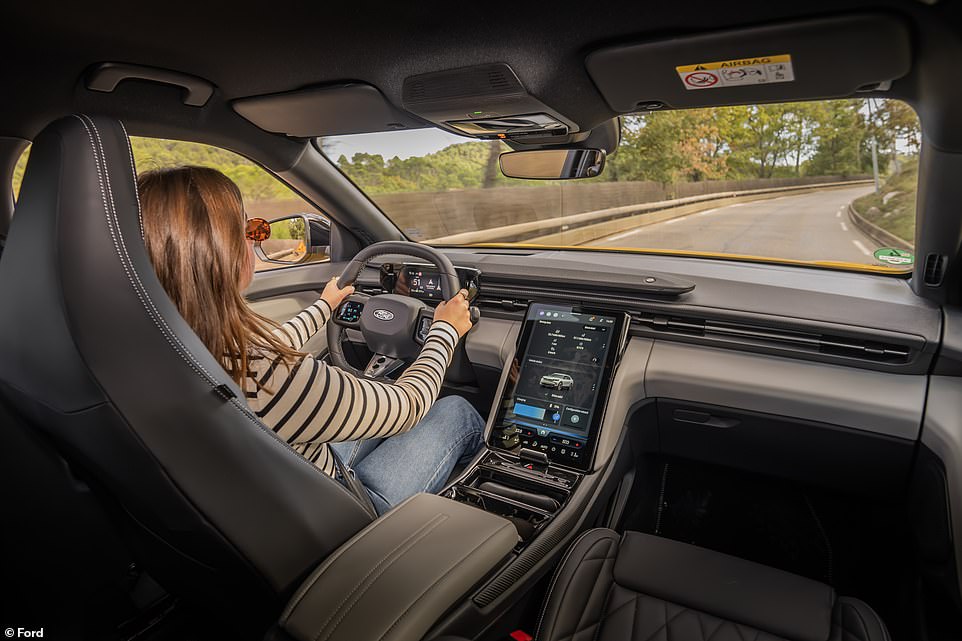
x=830, y=182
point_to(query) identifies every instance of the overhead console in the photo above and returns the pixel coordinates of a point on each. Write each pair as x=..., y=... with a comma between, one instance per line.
x=831, y=58
x=485, y=101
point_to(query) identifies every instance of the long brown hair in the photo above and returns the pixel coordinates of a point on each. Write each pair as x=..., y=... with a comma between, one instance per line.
x=194, y=222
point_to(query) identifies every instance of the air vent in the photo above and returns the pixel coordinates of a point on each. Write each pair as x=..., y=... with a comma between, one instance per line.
x=934, y=270
x=746, y=335
x=468, y=82
x=498, y=81
x=371, y=290
x=414, y=91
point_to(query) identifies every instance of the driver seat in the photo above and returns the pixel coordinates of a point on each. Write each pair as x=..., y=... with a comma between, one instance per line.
x=94, y=355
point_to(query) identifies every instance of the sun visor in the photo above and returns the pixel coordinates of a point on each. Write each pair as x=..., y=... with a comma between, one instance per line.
x=330, y=110
x=824, y=58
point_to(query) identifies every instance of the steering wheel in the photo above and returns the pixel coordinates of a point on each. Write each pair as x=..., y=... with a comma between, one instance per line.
x=390, y=323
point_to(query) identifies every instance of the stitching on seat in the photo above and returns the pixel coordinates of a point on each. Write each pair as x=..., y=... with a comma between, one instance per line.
x=604, y=611
x=668, y=621
x=721, y=624
x=506, y=526
x=377, y=571
x=594, y=585
x=133, y=172
x=168, y=334
x=604, y=616
x=863, y=636
x=557, y=575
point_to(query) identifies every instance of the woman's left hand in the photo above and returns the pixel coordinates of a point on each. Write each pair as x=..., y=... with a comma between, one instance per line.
x=334, y=295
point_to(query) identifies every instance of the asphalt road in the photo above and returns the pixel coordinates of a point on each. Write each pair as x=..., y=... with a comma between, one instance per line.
x=812, y=226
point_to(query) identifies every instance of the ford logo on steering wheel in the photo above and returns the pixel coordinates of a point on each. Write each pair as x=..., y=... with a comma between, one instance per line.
x=383, y=314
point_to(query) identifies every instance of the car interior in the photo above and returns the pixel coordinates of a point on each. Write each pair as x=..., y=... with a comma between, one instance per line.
x=677, y=446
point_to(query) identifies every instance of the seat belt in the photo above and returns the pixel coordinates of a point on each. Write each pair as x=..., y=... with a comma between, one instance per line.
x=354, y=485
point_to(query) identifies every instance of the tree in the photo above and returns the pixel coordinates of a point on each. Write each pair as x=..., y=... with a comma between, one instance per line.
x=840, y=132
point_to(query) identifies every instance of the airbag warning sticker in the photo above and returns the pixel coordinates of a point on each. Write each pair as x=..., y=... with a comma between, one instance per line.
x=737, y=73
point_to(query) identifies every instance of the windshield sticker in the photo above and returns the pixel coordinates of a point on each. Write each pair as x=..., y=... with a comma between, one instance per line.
x=893, y=256
x=736, y=73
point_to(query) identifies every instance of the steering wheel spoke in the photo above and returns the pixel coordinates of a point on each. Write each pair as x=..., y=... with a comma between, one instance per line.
x=348, y=313
x=381, y=366
x=425, y=318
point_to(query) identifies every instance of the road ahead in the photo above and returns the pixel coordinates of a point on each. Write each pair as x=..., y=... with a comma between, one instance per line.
x=812, y=226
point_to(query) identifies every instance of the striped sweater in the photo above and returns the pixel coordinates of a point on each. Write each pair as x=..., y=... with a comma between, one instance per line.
x=312, y=404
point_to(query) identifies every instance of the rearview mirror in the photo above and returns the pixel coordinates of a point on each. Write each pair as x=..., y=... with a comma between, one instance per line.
x=553, y=164
x=295, y=239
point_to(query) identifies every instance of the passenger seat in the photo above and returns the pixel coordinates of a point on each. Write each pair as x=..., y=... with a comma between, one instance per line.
x=639, y=587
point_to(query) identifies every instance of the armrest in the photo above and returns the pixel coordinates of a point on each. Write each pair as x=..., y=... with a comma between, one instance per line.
x=398, y=576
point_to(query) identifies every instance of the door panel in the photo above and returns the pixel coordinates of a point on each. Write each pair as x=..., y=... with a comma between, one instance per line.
x=280, y=294
x=283, y=308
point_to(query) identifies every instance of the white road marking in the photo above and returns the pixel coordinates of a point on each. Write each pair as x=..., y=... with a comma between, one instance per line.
x=844, y=226
x=736, y=205
x=862, y=247
x=838, y=214
x=623, y=235
x=707, y=211
x=670, y=222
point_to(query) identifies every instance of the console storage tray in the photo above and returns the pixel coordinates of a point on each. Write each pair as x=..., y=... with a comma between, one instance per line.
x=529, y=505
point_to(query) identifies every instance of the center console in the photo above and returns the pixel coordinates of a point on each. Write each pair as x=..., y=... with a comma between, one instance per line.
x=541, y=439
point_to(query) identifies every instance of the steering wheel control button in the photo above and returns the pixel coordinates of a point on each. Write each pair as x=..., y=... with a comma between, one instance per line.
x=350, y=312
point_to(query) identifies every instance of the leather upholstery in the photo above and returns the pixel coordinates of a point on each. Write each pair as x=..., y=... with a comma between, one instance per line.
x=94, y=354
x=395, y=579
x=639, y=587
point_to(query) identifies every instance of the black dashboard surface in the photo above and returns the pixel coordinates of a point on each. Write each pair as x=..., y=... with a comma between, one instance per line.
x=805, y=299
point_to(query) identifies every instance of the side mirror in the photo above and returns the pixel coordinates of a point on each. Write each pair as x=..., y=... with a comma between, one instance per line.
x=553, y=164
x=296, y=239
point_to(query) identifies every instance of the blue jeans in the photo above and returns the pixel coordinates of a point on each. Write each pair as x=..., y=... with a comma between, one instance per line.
x=419, y=460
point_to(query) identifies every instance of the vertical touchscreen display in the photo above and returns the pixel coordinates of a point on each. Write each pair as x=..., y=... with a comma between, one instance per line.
x=558, y=382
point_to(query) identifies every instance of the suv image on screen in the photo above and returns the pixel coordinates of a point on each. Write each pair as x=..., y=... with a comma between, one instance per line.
x=557, y=381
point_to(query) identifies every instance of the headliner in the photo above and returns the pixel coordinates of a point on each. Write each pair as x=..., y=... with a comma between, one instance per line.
x=251, y=49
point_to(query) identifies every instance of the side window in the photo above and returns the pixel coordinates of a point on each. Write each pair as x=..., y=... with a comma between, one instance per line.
x=18, y=172
x=264, y=197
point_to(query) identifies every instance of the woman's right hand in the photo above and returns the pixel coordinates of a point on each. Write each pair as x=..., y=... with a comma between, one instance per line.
x=456, y=312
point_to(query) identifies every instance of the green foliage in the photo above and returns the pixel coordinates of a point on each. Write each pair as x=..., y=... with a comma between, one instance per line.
x=893, y=209
x=255, y=183
x=758, y=141
x=459, y=166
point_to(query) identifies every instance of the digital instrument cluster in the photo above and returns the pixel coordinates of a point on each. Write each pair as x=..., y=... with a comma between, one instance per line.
x=424, y=281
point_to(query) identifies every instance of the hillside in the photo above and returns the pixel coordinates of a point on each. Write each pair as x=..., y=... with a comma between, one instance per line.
x=894, y=208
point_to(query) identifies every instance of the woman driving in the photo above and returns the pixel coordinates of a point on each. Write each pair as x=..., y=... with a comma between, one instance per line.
x=393, y=437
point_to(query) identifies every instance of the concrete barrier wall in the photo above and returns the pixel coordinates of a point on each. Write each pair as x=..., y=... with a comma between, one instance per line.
x=425, y=215
x=429, y=215
x=883, y=237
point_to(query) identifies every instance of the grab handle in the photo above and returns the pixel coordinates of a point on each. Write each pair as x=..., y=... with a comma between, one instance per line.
x=106, y=76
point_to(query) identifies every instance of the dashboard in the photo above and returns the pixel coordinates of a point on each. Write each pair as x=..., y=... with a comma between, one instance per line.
x=422, y=281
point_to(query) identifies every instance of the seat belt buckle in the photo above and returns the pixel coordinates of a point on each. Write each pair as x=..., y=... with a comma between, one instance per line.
x=521, y=635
